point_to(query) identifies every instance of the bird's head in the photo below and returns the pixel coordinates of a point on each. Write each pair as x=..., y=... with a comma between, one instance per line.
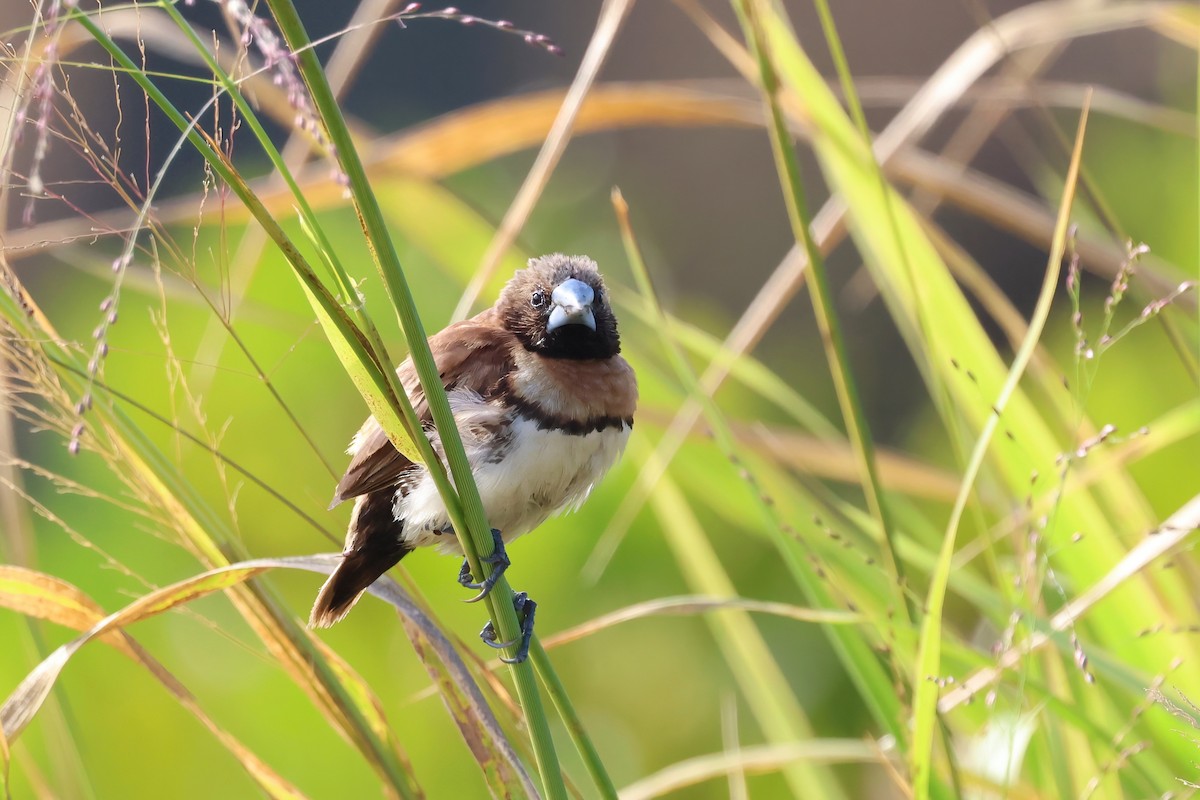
x=558, y=307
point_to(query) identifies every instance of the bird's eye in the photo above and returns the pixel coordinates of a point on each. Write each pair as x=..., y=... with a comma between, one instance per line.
x=537, y=299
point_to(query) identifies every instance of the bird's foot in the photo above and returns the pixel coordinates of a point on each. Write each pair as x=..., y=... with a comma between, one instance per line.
x=525, y=609
x=499, y=561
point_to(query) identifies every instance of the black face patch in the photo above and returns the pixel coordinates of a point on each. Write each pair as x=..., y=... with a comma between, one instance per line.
x=525, y=307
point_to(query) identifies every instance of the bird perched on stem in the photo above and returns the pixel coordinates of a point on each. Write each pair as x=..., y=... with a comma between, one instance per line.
x=544, y=404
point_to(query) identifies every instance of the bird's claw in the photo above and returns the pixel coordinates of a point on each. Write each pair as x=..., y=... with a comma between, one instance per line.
x=499, y=561
x=525, y=609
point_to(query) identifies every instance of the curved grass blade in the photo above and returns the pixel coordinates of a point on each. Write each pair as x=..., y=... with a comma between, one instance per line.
x=764, y=758
x=929, y=652
x=862, y=665
x=24, y=702
x=497, y=771
x=1168, y=536
x=939, y=326
x=41, y=596
x=156, y=481
x=461, y=497
x=45, y=597
x=824, y=310
x=699, y=604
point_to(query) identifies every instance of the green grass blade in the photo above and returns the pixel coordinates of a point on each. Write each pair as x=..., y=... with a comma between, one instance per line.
x=584, y=745
x=756, y=671
x=826, y=314
x=156, y=480
x=361, y=364
x=941, y=330
x=929, y=654
x=471, y=525
x=775, y=707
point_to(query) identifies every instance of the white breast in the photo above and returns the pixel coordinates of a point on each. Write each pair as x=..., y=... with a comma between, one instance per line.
x=525, y=475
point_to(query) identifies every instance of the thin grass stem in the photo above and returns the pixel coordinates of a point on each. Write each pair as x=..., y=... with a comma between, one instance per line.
x=468, y=515
x=824, y=308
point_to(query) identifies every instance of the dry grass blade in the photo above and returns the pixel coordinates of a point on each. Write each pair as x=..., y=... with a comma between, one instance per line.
x=41, y=596
x=1017, y=91
x=826, y=458
x=1157, y=543
x=899, y=473
x=612, y=15
x=4, y=761
x=454, y=672
x=1022, y=215
x=699, y=604
x=45, y=597
x=25, y=701
x=487, y=131
x=497, y=771
x=21, y=706
x=1036, y=24
x=765, y=758
x=448, y=145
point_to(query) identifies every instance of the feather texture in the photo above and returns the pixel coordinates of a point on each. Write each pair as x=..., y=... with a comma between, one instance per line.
x=543, y=415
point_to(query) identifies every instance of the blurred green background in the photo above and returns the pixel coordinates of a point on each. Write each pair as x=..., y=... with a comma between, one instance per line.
x=708, y=212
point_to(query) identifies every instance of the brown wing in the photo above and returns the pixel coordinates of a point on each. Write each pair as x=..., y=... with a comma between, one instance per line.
x=475, y=354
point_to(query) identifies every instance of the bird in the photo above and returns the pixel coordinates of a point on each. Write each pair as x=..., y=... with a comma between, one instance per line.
x=544, y=403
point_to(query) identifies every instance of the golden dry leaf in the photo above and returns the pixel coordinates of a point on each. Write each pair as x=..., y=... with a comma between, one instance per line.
x=41, y=596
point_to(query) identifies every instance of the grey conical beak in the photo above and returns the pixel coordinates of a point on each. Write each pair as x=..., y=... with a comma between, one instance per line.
x=572, y=305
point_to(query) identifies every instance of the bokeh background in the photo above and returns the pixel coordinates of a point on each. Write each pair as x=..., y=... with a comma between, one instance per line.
x=708, y=212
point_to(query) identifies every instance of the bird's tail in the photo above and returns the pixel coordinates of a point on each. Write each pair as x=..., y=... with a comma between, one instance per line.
x=358, y=570
x=373, y=546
